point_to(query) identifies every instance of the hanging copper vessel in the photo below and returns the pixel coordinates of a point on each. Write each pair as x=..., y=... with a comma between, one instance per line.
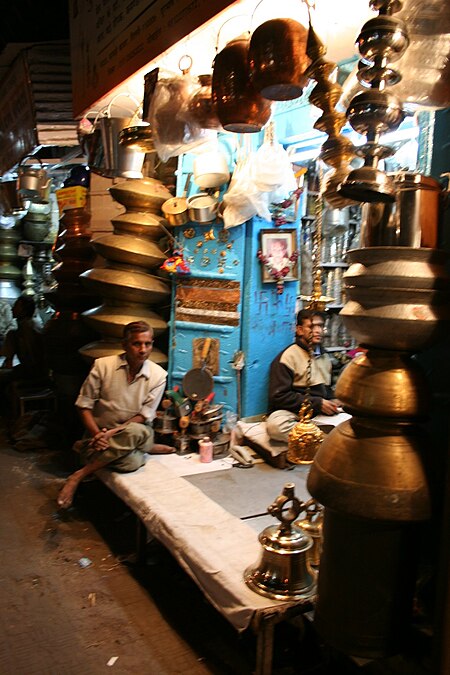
x=283, y=571
x=278, y=60
x=202, y=107
x=240, y=108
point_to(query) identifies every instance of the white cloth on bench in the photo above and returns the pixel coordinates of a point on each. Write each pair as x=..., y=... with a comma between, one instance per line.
x=212, y=546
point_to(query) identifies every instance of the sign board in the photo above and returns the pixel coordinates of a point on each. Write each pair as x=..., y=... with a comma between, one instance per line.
x=112, y=39
x=17, y=122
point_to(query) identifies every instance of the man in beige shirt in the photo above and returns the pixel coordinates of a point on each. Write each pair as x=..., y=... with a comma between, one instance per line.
x=117, y=404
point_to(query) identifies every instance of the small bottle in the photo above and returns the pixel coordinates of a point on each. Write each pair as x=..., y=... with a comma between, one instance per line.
x=206, y=450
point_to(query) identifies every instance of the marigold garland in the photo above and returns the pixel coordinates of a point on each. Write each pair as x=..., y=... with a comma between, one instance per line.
x=278, y=275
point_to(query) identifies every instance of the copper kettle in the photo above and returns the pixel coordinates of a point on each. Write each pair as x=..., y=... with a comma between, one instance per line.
x=278, y=60
x=240, y=108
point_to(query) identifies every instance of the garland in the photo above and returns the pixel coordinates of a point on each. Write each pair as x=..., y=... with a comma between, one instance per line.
x=278, y=275
x=280, y=209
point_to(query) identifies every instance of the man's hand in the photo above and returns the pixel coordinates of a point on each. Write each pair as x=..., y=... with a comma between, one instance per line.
x=101, y=440
x=330, y=407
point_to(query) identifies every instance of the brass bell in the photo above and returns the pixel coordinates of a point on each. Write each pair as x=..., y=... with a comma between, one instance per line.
x=283, y=571
x=305, y=438
x=312, y=525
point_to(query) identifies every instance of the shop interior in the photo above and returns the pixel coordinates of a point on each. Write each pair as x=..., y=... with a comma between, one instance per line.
x=254, y=162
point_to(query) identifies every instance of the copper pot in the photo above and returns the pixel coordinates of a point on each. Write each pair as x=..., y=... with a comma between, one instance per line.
x=278, y=60
x=240, y=107
x=201, y=105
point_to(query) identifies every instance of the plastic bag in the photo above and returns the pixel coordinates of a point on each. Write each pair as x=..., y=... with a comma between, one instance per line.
x=272, y=168
x=243, y=200
x=174, y=129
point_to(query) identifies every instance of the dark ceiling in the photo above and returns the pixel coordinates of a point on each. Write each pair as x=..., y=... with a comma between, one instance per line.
x=33, y=21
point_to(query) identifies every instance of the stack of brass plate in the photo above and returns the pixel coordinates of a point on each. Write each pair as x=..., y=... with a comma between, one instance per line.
x=129, y=282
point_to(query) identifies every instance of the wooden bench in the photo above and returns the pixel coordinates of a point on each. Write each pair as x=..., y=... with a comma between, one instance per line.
x=211, y=545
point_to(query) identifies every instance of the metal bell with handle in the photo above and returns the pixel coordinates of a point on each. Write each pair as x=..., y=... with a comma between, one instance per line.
x=284, y=571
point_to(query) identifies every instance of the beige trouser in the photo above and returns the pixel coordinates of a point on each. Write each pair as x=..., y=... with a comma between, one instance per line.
x=126, y=448
x=279, y=424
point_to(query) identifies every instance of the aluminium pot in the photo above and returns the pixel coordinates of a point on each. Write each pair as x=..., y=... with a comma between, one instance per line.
x=412, y=220
x=175, y=209
x=202, y=207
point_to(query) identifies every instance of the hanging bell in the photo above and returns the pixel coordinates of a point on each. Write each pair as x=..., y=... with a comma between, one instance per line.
x=305, y=438
x=283, y=571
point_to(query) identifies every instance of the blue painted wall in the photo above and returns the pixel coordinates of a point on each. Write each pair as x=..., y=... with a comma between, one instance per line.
x=267, y=319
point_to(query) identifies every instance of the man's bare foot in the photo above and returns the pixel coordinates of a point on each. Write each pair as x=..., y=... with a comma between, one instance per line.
x=67, y=492
x=161, y=449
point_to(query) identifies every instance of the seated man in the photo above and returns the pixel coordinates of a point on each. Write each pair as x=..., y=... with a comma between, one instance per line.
x=7, y=321
x=289, y=377
x=117, y=403
x=26, y=342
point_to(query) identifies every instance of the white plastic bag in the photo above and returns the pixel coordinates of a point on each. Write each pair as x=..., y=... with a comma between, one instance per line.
x=243, y=200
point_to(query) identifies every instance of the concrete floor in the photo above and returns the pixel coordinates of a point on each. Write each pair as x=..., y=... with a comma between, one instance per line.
x=114, y=616
x=59, y=618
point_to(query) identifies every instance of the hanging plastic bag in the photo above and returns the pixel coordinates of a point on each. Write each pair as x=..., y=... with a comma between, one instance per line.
x=174, y=130
x=243, y=200
x=272, y=168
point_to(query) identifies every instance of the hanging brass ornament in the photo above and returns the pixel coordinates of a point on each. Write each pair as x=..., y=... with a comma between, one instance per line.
x=316, y=301
x=305, y=438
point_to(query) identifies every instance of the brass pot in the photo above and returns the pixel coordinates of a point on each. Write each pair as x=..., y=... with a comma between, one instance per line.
x=240, y=107
x=140, y=223
x=278, y=60
x=372, y=469
x=130, y=250
x=126, y=284
x=145, y=194
x=397, y=267
x=109, y=320
x=384, y=384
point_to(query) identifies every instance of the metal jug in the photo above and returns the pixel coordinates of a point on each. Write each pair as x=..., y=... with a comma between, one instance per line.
x=32, y=183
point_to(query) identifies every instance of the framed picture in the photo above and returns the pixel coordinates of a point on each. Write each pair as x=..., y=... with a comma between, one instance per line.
x=277, y=247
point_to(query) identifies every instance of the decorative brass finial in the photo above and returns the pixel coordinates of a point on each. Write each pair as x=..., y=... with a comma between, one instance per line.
x=337, y=151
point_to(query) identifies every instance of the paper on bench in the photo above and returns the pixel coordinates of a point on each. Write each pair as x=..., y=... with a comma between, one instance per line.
x=188, y=465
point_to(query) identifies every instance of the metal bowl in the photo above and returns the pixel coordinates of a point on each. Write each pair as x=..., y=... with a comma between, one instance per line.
x=141, y=194
x=130, y=250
